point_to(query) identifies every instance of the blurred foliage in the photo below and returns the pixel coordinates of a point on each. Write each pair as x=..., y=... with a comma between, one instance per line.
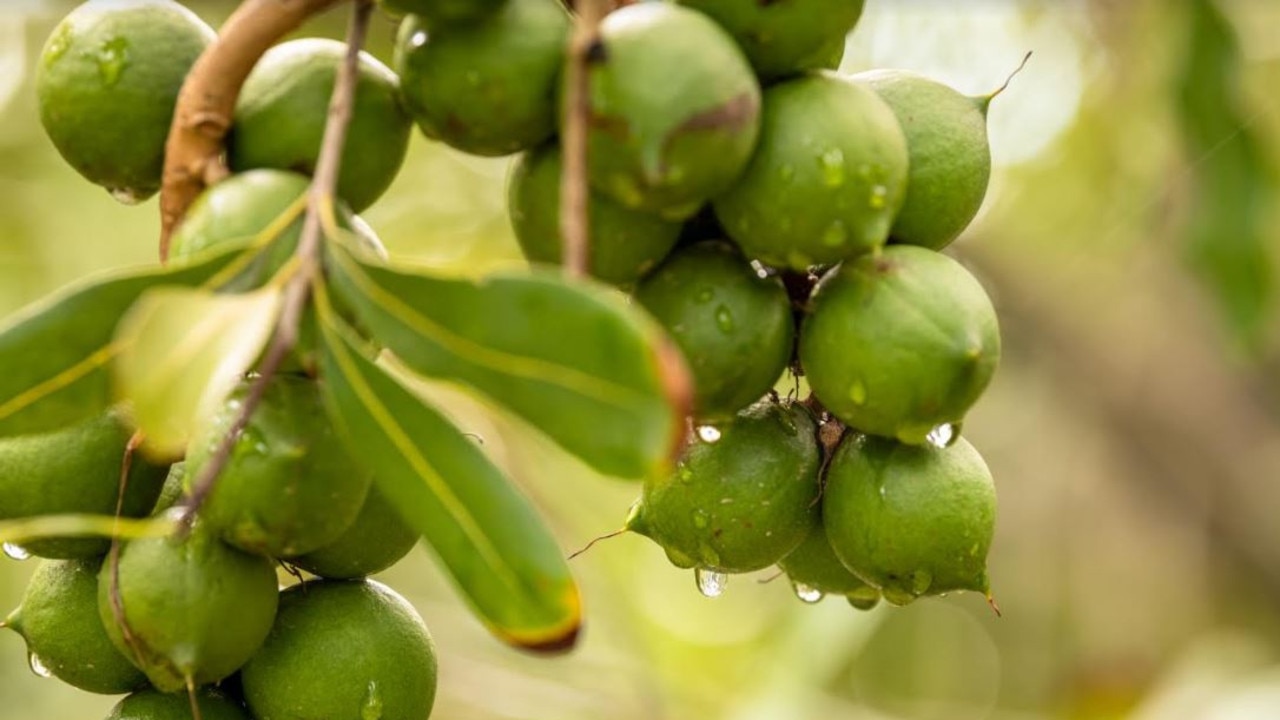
x=1137, y=558
x=1231, y=176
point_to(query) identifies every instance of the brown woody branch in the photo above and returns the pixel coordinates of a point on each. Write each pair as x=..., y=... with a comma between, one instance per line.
x=207, y=101
x=298, y=290
x=584, y=48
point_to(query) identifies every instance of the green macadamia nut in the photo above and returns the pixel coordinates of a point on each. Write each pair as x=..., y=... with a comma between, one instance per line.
x=743, y=496
x=827, y=178
x=151, y=704
x=785, y=37
x=289, y=486
x=195, y=608
x=343, y=649
x=377, y=539
x=282, y=110
x=624, y=243
x=674, y=109
x=107, y=82
x=75, y=470
x=734, y=327
x=815, y=571
x=59, y=621
x=910, y=520
x=900, y=342
x=486, y=87
x=950, y=159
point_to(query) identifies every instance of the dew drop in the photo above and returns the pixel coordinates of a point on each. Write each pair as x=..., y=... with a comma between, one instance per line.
x=836, y=234
x=418, y=39
x=879, y=197
x=37, y=666
x=864, y=599
x=858, y=392
x=943, y=436
x=710, y=583
x=125, y=196
x=832, y=162
x=762, y=272
x=709, y=433
x=724, y=319
x=807, y=593
x=700, y=520
x=371, y=708
x=16, y=552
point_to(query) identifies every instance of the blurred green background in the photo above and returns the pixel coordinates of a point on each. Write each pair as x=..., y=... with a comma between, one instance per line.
x=1129, y=241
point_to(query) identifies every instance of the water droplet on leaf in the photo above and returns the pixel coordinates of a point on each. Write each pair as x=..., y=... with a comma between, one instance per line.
x=943, y=436
x=16, y=552
x=807, y=593
x=125, y=196
x=710, y=583
x=709, y=433
x=37, y=666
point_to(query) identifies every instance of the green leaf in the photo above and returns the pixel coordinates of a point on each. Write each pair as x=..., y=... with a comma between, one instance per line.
x=1233, y=182
x=55, y=352
x=574, y=360
x=182, y=351
x=40, y=527
x=487, y=535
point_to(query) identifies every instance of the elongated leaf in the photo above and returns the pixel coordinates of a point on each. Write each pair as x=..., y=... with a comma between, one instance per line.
x=573, y=360
x=487, y=535
x=182, y=350
x=54, y=353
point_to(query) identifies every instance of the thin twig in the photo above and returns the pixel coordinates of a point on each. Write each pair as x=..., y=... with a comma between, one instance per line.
x=591, y=544
x=298, y=289
x=585, y=48
x=113, y=557
x=207, y=101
